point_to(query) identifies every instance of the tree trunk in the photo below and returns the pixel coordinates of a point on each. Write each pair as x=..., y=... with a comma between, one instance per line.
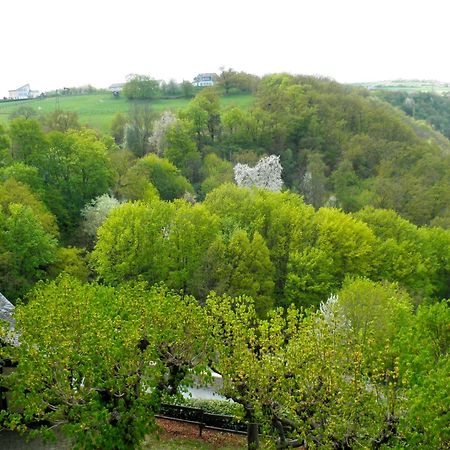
x=252, y=436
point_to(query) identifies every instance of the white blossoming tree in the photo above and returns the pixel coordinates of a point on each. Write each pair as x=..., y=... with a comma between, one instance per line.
x=95, y=213
x=266, y=174
x=160, y=128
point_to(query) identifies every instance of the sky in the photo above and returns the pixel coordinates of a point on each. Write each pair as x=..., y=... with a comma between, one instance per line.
x=52, y=44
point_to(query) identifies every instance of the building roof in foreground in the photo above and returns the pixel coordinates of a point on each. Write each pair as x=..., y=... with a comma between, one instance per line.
x=6, y=313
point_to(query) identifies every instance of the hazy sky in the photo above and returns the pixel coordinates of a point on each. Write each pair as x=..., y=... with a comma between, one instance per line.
x=55, y=43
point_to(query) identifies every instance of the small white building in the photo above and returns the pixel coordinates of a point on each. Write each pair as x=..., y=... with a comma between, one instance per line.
x=204, y=79
x=116, y=88
x=23, y=93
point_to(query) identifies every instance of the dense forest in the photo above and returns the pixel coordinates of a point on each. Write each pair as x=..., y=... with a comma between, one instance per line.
x=432, y=108
x=141, y=259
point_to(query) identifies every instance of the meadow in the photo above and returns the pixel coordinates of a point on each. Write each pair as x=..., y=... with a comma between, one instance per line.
x=98, y=110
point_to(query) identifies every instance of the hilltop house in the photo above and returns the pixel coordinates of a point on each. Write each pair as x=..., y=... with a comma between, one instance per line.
x=204, y=79
x=116, y=88
x=23, y=93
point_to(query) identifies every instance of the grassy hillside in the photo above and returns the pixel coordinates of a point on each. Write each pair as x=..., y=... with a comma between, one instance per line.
x=97, y=110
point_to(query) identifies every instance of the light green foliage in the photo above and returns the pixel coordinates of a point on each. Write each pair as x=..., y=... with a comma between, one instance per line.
x=204, y=113
x=77, y=170
x=72, y=261
x=130, y=243
x=425, y=348
x=436, y=242
x=12, y=191
x=375, y=313
x=25, y=174
x=187, y=237
x=156, y=242
x=25, y=249
x=215, y=172
x=181, y=149
x=349, y=241
x=401, y=252
x=295, y=375
x=96, y=360
x=162, y=174
x=338, y=245
x=240, y=266
x=140, y=87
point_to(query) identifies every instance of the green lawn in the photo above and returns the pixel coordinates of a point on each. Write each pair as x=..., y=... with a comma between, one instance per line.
x=97, y=110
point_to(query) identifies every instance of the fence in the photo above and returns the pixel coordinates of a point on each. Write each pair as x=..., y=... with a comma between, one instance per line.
x=204, y=420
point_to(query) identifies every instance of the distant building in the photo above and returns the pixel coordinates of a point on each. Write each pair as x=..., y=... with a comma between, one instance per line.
x=204, y=79
x=116, y=88
x=23, y=93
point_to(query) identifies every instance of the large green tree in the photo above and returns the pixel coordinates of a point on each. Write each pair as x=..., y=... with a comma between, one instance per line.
x=141, y=87
x=95, y=360
x=26, y=249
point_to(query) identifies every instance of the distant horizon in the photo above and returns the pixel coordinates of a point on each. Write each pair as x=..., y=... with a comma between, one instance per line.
x=105, y=86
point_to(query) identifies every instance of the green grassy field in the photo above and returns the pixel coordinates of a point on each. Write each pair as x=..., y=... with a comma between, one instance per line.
x=98, y=110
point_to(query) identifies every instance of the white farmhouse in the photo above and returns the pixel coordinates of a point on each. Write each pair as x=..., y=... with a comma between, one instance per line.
x=116, y=88
x=204, y=79
x=23, y=93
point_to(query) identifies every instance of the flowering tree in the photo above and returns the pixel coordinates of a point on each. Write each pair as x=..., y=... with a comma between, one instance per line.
x=96, y=211
x=160, y=127
x=266, y=174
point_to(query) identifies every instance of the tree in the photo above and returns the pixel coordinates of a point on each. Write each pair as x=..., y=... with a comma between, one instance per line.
x=425, y=353
x=71, y=261
x=5, y=144
x=12, y=191
x=160, y=128
x=215, y=172
x=187, y=88
x=181, y=149
x=188, y=235
x=132, y=243
x=204, y=112
x=242, y=267
x=60, y=120
x=266, y=174
x=336, y=247
x=76, y=170
x=96, y=212
x=23, y=111
x=227, y=79
x=402, y=253
x=118, y=125
x=96, y=360
x=138, y=130
x=24, y=174
x=28, y=141
x=141, y=87
x=314, y=181
x=26, y=250
x=172, y=88
x=163, y=175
